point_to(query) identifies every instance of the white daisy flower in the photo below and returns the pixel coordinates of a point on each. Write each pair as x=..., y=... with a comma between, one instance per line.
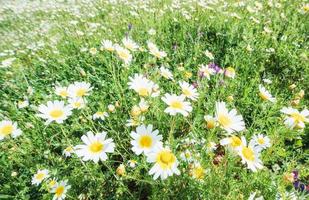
x=123, y=54
x=233, y=142
x=206, y=71
x=151, y=31
x=165, y=163
x=7, y=62
x=153, y=49
x=188, y=90
x=145, y=139
x=229, y=120
x=68, y=151
x=230, y=72
x=132, y=163
x=39, y=176
x=54, y=111
x=186, y=156
x=250, y=155
x=107, y=45
x=77, y=103
x=210, y=121
x=198, y=172
x=130, y=44
x=166, y=73
x=79, y=89
x=294, y=118
x=100, y=115
x=143, y=105
x=253, y=197
x=8, y=128
x=142, y=85
x=60, y=189
x=22, y=104
x=211, y=146
x=265, y=95
x=62, y=91
x=176, y=104
x=95, y=147
x=261, y=141
x=209, y=55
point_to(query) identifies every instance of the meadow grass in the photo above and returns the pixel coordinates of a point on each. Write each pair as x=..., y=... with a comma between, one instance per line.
x=52, y=43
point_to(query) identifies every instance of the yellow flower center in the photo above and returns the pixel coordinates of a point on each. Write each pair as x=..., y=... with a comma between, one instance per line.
x=145, y=141
x=63, y=93
x=40, y=176
x=248, y=153
x=166, y=159
x=96, y=147
x=261, y=141
x=186, y=92
x=198, y=172
x=235, y=141
x=187, y=155
x=143, y=92
x=224, y=120
x=298, y=117
x=263, y=96
x=81, y=92
x=211, y=124
x=57, y=113
x=6, y=130
x=177, y=105
x=99, y=113
x=59, y=191
x=123, y=55
x=77, y=104
x=52, y=183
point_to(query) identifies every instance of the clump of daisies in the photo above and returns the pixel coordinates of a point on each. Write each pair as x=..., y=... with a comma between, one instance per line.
x=249, y=152
x=148, y=141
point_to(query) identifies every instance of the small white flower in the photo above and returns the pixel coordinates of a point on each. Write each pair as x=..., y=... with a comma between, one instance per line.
x=77, y=103
x=250, y=155
x=123, y=54
x=177, y=104
x=265, y=95
x=9, y=128
x=165, y=163
x=145, y=139
x=188, y=90
x=39, y=176
x=95, y=147
x=166, y=73
x=54, y=111
x=130, y=44
x=100, y=115
x=107, y=45
x=60, y=190
x=22, y=104
x=294, y=118
x=261, y=141
x=79, y=89
x=68, y=151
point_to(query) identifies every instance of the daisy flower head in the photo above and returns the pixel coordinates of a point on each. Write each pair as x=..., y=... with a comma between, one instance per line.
x=228, y=120
x=22, y=104
x=233, y=142
x=209, y=55
x=9, y=128
x=54, y=111
x=132, y=163
x=176, y=104
x=95, y=147
x=206, y=71
x=39, y=176
x=100, y=115
x=141, y=85
x=166, y=73
x=143, y=105
x=210, y=121
x=265, y=95
x=60, y=189
x=124, y=54
x=261, y=141
x=294, y=118
x=153, y=49
x=68, y=151
x=186, y=156
x=107, y=45
x=188, y=90
x=250, y=155
x=165, y=163
x=62, y=91
x=198, y=172
x=145, y=139
x=77, y=103
x=130, y=44
x=230, y=72
x=79, y=89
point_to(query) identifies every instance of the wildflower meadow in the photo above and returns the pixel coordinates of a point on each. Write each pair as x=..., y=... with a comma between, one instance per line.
x=154, y=99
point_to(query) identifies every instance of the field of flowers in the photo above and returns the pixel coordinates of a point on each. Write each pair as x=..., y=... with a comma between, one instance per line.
x=154, y=99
